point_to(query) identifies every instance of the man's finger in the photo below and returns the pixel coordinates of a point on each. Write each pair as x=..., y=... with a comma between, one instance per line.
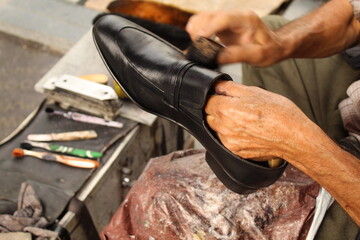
x=197, y=26
x=212, y=104
x=229, y=89
x=251, y=53
x=210, y=119
x=207, y=24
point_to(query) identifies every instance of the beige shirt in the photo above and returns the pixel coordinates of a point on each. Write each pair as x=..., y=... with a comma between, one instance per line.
x=356, y=6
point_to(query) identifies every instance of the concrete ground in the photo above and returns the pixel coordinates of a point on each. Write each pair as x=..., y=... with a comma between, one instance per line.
x=23, y=63
x=34, y=35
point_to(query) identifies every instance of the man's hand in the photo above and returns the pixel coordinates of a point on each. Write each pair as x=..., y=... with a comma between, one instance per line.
x=257, y=124
x=246, y=37
x=323, y=32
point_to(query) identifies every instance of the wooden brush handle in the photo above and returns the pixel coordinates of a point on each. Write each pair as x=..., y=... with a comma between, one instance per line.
x=78, y=135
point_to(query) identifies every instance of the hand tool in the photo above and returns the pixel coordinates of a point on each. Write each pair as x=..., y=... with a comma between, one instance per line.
x=91, y=97
x=65, y=136
x=204, y=51
x=62, y=149
x=79, y=117
x=70, y=161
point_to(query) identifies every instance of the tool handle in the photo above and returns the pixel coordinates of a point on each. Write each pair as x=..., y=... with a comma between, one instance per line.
x=77, y=135
x=94, y=120
x=77, y=162
x=75, y=151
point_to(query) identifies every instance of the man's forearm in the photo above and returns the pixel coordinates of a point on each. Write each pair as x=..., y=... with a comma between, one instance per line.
x=333, y=168
x=324, y=32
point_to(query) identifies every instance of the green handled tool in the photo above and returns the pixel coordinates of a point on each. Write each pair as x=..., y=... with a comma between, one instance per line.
x=62, y=149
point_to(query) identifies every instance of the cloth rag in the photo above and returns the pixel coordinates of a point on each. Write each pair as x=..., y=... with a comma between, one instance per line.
x=28, y=217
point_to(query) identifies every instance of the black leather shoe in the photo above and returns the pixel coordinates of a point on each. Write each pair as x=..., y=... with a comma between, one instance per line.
x=159, y=79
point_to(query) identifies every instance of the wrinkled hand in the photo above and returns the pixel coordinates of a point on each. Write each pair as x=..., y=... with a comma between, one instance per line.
x=246, y=37
x=257, y=124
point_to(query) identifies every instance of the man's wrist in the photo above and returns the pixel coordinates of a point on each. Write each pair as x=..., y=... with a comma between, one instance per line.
x=287, y=45
x=310, y=146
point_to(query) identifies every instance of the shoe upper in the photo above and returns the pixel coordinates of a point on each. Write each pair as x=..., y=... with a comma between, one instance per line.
x=163, y=69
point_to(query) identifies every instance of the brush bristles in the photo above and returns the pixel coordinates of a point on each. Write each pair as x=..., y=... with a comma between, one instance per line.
x=26, y=145
x=204, y=51
x=17, y=152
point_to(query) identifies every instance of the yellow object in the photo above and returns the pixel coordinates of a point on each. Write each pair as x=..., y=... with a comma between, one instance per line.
x=98, y=78
x=119, y=91
x=199, y=235
x=275, y=162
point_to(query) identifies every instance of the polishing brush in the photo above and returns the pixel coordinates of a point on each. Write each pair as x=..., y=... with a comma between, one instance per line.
x=204, y=51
